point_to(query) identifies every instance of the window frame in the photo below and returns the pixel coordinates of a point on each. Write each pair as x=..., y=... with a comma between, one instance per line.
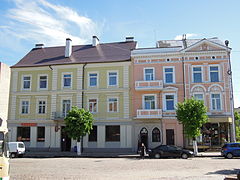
x=219, y=74
x=165, y=102
x=111, y=97
x=143, y=101
x=37, y=108
x=93, y=72
x=65, y=98
x=221, y=103
x=28, y=138
x=30, y=87
x=108, y=79
x=20, y=110
x=153, y=140
x=118, y=139
x=39, y=88
x=164, y=73
x=67, y=73
x=41, y=139
x=197, y=66
x=144, y=73
x=89, y=104
x=96, y=133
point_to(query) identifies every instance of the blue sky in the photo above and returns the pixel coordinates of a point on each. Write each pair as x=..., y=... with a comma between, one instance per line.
x=24, y=23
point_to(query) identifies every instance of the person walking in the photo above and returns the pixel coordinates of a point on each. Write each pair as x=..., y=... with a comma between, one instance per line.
x=142, y=151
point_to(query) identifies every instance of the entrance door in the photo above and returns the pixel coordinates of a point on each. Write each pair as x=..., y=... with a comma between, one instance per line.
x=65, y=141
x=170, y=136
x=144, y=137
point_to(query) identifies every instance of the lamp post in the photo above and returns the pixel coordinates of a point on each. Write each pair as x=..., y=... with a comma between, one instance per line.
x=229, y=72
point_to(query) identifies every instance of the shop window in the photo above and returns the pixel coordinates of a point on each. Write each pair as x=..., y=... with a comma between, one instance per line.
x=40, y=134
x=156, y=135
x=113, y=133
x=93, y=135
x=23, y=134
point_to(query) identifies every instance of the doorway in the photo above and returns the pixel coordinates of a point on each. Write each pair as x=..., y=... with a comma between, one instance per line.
x=170, y=136
x=144, y=137
x=65, y=140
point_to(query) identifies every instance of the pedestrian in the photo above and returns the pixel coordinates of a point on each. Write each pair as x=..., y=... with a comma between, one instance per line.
x=142, y=151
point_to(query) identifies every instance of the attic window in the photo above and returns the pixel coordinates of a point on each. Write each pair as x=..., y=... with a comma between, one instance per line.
x=196, y=58
x=213, y=57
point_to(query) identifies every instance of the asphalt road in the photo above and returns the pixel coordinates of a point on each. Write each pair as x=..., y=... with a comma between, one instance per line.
x=122, y=168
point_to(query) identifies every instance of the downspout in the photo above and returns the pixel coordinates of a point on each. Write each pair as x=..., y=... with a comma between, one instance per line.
x=83, y=75
x=184, y=94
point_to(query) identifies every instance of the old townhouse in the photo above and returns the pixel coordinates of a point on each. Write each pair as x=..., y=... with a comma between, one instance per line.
x=171, y=72
x=49, y=80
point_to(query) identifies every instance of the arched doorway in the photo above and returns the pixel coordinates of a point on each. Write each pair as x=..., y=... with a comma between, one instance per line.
x=144, y=137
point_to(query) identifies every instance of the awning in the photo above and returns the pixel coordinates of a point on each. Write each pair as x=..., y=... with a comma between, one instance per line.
x=220, y=119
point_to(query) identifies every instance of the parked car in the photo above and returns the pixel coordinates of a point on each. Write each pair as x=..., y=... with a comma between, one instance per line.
x=169, y=151
x=16, y=149
x=230, y=150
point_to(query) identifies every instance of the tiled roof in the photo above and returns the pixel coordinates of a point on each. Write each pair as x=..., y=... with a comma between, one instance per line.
x=106, y=52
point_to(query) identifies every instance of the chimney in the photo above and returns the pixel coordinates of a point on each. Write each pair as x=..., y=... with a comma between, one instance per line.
x=39, y=46
x=95, y=41
x=129, y=39
x=68, y=47
x=184, y=37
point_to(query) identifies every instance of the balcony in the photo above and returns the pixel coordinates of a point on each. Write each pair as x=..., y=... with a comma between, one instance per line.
x=58, y=115
x=149, y=113
x=149, y=85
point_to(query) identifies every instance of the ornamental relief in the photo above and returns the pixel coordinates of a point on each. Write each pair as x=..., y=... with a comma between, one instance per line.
x=215, y=88
x=198, y=89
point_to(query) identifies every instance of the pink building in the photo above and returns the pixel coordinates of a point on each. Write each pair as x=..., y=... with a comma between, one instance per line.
x=174, y=70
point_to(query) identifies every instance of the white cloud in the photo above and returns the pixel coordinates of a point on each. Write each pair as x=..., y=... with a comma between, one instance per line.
x=42, y=22
x=179, y=37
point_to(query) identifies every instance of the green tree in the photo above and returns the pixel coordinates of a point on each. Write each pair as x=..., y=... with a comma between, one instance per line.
x=192, y=114
x=237, y=124
x=78, y=123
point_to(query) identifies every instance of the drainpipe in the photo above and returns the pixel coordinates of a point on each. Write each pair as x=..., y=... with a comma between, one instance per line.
x=229, y=72
x=83, y=74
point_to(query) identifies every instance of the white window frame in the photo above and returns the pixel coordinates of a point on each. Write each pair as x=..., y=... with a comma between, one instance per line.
x=143, y=100
x=29, y=106
x=109, y=103
x=165, y=104
x=93, y=72
x=65, y=98
x=219, y=72
x=27, y=75
x=89, y=104
x=67, y=73
x=221, y=103
x=164, y=67
x=37, y=105
x=201, y=73
x=108, y=79
x=39, y=82
x=199, y=93
x=144, y=74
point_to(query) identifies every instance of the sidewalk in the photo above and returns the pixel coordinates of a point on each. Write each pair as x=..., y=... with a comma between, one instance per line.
x=100, y=155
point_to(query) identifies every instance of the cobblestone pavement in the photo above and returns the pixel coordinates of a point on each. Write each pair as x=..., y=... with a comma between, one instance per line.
x=122, y=168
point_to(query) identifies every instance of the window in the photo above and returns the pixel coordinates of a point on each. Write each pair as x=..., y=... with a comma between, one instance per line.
x=92, y=105
x=149, y=102
x=169, y=74
x=93, y=135
x=40, y=134
x=214, y=74
x=216, y=101
x=93, y=79
x=41, y=107
x=66, y=106
x=67, y=80
x=25, y=107
x=112, y=78
x=148, y=74
x=43, y=82
x=156, y=135
x=198, y=97
x=23, y=133
x=196, y=58
x=113, y=133
x=26, y=82
x=169, y=102
x=112, y=105
x=197, y=74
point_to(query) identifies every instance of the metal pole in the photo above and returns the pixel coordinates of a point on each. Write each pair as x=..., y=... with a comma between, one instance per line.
x=229, y=72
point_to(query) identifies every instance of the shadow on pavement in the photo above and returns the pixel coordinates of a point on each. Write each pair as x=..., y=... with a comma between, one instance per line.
x=225, y=172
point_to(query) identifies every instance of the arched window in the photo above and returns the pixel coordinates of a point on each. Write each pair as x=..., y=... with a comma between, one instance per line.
x=156, y=135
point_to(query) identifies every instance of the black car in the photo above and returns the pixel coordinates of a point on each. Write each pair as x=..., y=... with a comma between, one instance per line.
x=169, y=151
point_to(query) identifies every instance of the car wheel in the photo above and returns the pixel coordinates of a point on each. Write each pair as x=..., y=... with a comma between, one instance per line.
x=13, y=155
x=184, y=156
x=229, y=155
x=157, y=156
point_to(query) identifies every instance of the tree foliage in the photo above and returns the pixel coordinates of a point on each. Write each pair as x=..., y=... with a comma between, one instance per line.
x=78, y=123
x=237, y=124
x=192, y=114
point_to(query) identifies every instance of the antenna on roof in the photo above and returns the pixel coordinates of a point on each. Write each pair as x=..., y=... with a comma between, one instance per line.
x=184, y=37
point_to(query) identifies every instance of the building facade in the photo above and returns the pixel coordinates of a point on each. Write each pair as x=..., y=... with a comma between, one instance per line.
x=45, y=87
x=174, y=71
x=4, y=93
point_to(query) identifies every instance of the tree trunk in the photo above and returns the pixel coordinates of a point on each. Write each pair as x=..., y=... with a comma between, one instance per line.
x=195, y=148
x=79, y=148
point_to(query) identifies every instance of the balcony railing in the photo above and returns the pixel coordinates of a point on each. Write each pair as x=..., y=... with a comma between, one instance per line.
x=149, y=85
x=149, y=113
x=58, y=115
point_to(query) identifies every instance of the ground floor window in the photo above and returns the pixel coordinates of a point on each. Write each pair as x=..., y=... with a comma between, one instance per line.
x=93, y=135
x=156, y=135
x=40, y=134
x=23, y=133
x=113, y=133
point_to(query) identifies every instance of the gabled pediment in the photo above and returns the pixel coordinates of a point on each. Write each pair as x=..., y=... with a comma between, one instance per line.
x=205, y=45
